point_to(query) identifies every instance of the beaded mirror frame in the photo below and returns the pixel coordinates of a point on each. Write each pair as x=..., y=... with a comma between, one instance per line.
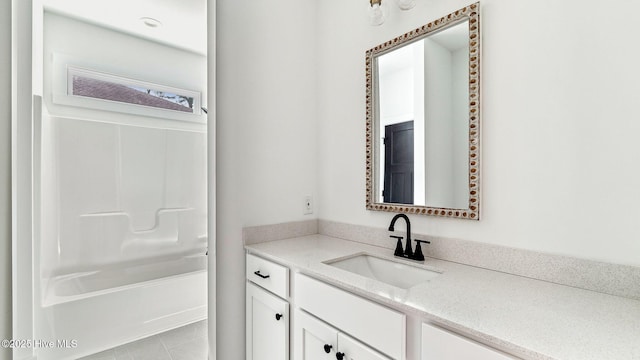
x=471, y=14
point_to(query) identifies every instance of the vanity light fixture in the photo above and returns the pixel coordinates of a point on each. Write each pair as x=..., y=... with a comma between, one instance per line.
x=376, y=14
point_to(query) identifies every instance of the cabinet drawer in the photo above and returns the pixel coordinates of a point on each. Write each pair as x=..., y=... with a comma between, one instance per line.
x=268, y=275
x=440, y=344
x=373, y=324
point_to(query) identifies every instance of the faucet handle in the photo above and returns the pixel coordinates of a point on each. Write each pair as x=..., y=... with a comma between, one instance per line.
x=417, y=255
x=398, y=251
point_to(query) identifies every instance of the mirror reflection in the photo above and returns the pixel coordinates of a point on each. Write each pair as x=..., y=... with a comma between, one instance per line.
x=422, y=119
x=423, y=99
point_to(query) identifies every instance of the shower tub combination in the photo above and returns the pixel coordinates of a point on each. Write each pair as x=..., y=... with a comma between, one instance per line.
x=121, y=240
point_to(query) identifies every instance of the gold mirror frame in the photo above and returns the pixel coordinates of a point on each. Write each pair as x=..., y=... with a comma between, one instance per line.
x=472, y=14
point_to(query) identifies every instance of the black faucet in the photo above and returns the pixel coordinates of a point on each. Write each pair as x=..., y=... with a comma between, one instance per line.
x=407, y=252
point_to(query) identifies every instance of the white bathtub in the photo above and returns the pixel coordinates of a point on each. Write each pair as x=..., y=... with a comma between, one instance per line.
x=107, y=308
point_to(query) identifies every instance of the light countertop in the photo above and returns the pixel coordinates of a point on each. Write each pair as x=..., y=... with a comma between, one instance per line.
x=530, y=318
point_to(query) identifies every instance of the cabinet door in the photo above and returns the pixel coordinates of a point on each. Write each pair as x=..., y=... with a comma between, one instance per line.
x=440, y=344
x=267, y=325
x=313, y=339
x=355, y=350
x=363, y=319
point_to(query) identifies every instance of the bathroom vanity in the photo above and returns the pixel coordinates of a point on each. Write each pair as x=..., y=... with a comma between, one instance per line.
x=462, y=312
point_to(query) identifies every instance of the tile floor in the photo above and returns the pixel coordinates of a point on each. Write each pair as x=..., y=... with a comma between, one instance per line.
x=184, y=343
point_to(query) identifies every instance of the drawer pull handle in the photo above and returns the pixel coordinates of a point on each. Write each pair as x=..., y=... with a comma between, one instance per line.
x=262, y=276
x=327, y=348
x=339, y=355
x=278, y=317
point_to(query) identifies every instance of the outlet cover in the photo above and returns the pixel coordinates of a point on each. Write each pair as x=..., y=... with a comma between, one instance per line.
x=308, y=205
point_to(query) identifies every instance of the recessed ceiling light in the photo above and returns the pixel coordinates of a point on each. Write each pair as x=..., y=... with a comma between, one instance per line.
x=151, y=22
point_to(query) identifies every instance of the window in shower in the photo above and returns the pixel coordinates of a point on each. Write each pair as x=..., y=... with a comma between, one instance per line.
x=96, y=85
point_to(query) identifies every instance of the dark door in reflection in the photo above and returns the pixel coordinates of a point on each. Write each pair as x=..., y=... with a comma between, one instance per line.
x=398, y=163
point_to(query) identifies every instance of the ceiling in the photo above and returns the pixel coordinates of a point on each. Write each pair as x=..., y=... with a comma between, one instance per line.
x=184, y=22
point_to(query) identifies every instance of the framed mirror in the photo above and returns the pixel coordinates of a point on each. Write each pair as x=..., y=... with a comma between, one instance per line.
x=423, y=119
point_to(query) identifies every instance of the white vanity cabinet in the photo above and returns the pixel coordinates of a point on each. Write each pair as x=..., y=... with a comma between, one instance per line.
x=377, y=326
x=317, y=340
x=440, y=344
x=330, y=323
x=267, y=315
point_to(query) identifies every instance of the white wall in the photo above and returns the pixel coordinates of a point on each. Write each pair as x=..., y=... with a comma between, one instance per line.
x=438, y=132
x=5, y=174
x=266, y=136
x=419, y=164
x=460, y=133
x=447, y=124
x=559, y=147
x=396, y=96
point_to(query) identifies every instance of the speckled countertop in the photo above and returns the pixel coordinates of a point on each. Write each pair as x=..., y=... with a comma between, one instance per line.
x=529, y=318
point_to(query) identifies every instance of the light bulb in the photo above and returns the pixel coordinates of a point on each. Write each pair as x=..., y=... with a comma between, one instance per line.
x=406, y=4
x=376, y=16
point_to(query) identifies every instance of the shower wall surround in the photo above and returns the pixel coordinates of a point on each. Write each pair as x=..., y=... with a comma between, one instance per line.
x=121, y=193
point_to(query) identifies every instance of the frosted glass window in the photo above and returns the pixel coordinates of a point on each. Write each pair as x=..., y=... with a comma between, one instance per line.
x=102, y=86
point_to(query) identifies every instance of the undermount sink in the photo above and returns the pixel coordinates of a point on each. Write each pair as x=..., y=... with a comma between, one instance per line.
x=391, y=272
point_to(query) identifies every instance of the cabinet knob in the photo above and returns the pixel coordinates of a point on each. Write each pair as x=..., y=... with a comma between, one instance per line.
x=327, y=348
x=339, y=355
x=278, y=317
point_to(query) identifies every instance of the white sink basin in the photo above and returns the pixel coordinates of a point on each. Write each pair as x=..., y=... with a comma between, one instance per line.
x=391, y=272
